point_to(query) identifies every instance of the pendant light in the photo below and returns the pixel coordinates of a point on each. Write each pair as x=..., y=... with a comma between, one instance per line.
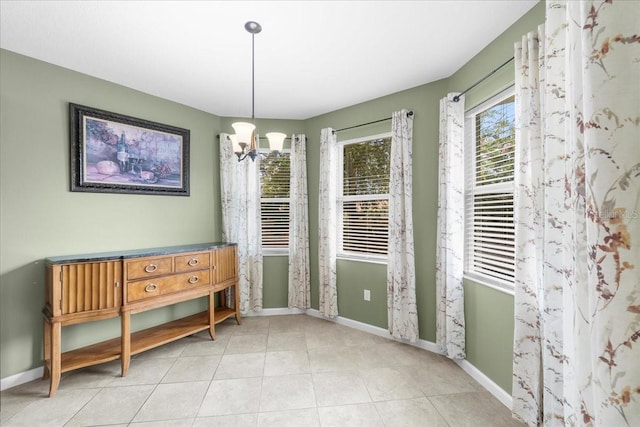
x=244, y=140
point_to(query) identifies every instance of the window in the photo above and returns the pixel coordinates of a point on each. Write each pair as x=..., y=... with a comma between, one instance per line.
x=489, y=224
x=274, y=201
x=363, y=197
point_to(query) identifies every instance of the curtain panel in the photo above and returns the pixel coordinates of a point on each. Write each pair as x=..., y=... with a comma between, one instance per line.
x=450, y=335
x=577, y=295
x=401, y=276
x=327, y=233
x=299, y=275
x=240, y=197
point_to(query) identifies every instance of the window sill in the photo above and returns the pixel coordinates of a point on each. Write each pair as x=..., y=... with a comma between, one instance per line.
x=362, y=258
x=490, y=282
x=275, y=252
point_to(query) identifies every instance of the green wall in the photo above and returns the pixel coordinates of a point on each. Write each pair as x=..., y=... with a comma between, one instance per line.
x=489, y=312
x=353, y=276
x=40, y=217
x=275, y=267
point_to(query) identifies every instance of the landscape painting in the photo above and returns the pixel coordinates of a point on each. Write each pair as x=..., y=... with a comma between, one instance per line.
x=115, y=153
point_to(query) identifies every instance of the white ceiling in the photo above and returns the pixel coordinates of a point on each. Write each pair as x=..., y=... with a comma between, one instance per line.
x=311, y=57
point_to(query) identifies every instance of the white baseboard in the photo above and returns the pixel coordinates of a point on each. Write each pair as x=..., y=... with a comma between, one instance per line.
x=475, y=373
x=375, y=330
x=274, y=312
x=486, y=382
x=21, y=378
x=465, y=365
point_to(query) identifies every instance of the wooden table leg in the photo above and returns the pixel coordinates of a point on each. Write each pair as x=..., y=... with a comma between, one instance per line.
x=212, y=315
x=46, y=335
x=125, y=342
x=56, y=336
x=236, y=301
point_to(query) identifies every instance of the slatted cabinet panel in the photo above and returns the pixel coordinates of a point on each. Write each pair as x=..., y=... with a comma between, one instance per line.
x=225, y=264
x=90, y=286
x=84, y=287
x=225, y=267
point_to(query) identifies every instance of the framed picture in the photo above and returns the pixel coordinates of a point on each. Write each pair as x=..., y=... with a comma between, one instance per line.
x=113, y=153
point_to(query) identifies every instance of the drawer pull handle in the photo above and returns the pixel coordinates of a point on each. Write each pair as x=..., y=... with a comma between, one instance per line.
x=151, y=287
x=151, y=268
x=193, y=279
x=193, y=261
x=215, y=267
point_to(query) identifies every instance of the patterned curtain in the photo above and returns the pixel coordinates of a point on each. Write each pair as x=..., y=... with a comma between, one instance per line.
x=402, y=312
x=299, y=276
x=327, y=224
x=450, y=246
x=240, y=194
x=577, y=295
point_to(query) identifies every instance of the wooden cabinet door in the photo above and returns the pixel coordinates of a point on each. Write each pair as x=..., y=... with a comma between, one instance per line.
x=225, y=264
x=85, y=287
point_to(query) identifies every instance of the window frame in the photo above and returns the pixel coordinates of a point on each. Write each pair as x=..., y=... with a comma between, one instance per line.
x=340, y=199
x=470, y=191
x=269, y=250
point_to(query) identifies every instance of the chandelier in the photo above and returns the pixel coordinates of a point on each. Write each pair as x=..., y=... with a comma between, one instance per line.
x=244, y=140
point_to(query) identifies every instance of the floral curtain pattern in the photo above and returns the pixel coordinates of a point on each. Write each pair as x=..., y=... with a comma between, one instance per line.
x=327, y=233
x=240, y=196
x=577, y=295
x=299, y=276
x=528, y=211
x=402, y=313
x=450, y=336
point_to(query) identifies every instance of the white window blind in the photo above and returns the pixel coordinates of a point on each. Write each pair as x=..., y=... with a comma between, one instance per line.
x=363, y=197
x=274, y=199
x=490, y=151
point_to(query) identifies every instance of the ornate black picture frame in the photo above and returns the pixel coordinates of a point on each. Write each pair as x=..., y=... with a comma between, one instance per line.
x=114, y=153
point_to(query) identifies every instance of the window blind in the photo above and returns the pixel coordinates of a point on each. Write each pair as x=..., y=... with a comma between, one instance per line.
x=274, y=199
x=490, y=230
x=364, y=197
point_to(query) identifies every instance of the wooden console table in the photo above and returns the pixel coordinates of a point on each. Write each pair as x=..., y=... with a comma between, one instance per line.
x=85, y=288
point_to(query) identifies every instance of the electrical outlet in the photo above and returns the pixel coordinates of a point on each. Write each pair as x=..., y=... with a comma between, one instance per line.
x=367, y=295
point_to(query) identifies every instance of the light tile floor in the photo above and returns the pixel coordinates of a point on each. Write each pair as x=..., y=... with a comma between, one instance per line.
x=294, y=370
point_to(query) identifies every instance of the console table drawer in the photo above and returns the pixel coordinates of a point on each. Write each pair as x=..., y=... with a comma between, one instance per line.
x=148, y=267
x=193, y=261
x=143, y=289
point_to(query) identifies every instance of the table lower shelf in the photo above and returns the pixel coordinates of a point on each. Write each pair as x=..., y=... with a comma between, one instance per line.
x=141, y=341
x=223, y=313
x=94, y=354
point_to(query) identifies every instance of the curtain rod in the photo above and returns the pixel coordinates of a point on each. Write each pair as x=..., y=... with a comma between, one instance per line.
x=457, y=97
x=261, y=137
x=409, y=114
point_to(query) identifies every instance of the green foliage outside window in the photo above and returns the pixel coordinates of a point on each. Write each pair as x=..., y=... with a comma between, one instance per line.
x=274, y=175
x=365, y=204
x=495, y=143
x=366, y=167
